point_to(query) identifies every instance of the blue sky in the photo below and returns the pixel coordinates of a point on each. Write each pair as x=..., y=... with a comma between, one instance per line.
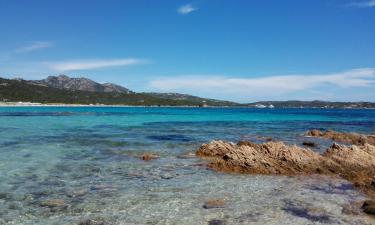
x=245, y=50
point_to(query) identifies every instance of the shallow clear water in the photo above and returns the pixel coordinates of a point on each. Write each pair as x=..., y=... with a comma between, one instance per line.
x=89, y=158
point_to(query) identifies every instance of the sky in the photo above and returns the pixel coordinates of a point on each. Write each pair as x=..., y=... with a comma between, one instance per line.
x=243, y=50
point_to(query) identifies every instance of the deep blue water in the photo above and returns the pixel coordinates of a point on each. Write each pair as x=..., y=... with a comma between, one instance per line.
x=51, y=152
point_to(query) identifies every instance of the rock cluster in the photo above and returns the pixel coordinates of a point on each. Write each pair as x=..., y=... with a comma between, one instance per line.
x=350, y=138
x=266, y=158
x=355, y=163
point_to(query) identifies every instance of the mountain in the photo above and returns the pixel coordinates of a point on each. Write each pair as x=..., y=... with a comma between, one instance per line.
x=109, y=87
x=66, y=90
x=79, y=84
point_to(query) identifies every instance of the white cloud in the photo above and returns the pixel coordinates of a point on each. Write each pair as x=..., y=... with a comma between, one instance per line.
x=266, y=87
x=186, y=9
x=363, y=4
x=92, y=64
x=33, y=46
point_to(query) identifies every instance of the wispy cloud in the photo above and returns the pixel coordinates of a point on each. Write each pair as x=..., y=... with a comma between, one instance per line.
x=186, y=9
x=363, y=4
x=33, y=46
x=266, y=87
x=92, y=64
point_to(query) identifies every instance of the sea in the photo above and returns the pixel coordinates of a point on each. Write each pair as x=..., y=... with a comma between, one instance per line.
x=83, y=165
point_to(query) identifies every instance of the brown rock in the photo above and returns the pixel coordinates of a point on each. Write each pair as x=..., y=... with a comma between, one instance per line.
x=55, y=204
x=314, y=133
x=355, y=163
x=77, y=193
x=353, y=157
x=353, y=208
x=148, y=156
x=369, y=207
x=214, y=203
x=350, y=138
x=267, y=158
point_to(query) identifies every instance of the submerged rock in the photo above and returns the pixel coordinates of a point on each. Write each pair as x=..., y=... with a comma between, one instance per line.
x=315, y=215
x=350, y=138
x=353, y=208
x=216, y=222
x=148, y=156
x=4, y=195
x=55, y=204
x=214, y=203
x=309, y=144
x=77, y=192
x=96, y=221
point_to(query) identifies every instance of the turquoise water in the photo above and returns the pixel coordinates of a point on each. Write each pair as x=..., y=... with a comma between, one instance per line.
x=89, y=158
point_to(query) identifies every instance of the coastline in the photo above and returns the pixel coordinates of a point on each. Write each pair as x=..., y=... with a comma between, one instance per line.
x=31, y=104
x=98, y=105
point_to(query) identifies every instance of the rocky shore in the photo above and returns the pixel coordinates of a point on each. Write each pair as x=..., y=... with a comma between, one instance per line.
x=354, y=162
x=348, y=138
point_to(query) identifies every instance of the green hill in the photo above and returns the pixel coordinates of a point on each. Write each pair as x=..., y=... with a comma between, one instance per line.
x=12, y=90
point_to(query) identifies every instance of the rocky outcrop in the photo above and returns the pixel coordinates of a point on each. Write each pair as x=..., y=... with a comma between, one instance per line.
x=267, y=158
x=355, y=163
x=80, y=84
x=350, y=138
x=109, y=87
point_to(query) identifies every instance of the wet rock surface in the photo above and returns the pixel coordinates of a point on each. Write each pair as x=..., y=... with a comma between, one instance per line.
x=355, y=163
x=309, y=144
x=369, y=207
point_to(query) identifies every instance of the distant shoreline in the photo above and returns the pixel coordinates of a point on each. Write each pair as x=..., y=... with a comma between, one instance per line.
x=30, y=104
x=85, y=105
